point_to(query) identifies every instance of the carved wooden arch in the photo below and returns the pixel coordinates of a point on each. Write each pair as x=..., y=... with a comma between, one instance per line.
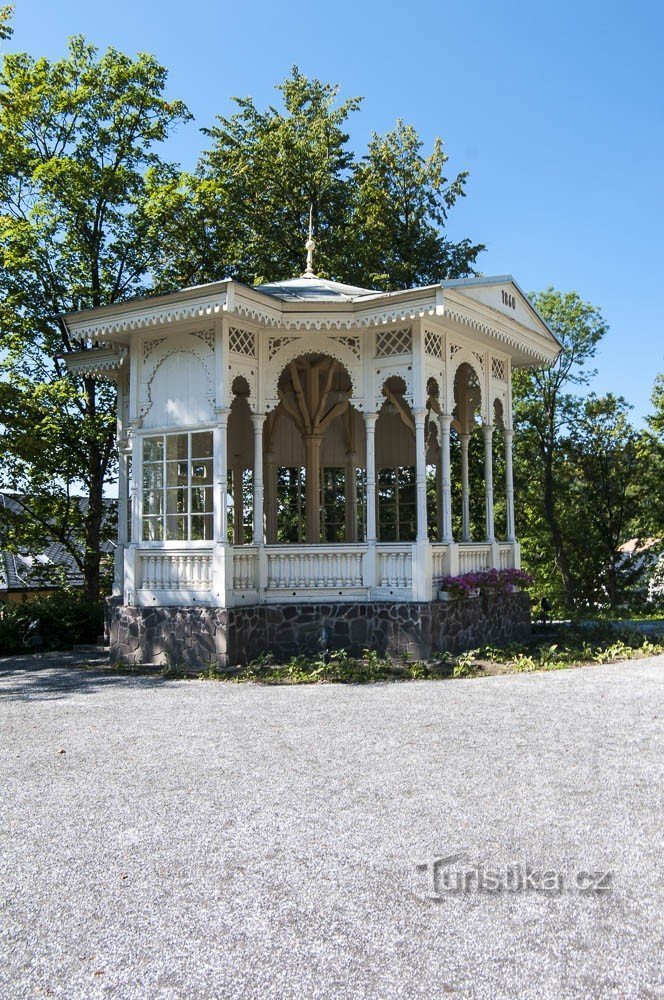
x=301, y=346
x=465, y=354
x=184, y=343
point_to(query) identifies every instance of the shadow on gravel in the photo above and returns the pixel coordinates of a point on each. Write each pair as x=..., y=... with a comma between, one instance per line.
x=59, y=675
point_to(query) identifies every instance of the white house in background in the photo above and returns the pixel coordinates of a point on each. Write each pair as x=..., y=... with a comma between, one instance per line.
x=274, y=444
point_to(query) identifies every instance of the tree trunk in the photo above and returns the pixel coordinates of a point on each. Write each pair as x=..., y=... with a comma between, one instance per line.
x=562, y=562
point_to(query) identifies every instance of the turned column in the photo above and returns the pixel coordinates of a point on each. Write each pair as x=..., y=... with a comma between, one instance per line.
x=445, y=421
x=257, y=420
x=508, y=436
x=370, y=422
x=421, y=475
x=350, y=496
x=219, y=500
x=312, y=443
x=487, y=430
x=465, y=490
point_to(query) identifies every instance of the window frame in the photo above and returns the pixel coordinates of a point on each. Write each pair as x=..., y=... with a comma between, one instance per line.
x=163, y=488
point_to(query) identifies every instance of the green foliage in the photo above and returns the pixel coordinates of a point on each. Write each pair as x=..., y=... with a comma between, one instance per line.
x=401, y=204
x=245, y=212
x=6, y=14
x=66, y=618
x=77, y=167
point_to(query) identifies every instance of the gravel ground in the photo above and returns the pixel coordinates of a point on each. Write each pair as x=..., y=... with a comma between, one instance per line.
x=196, y=839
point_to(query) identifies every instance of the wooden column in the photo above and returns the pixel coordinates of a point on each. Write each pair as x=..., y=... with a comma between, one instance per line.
x=220, y=452
x=312, y=443
x=421, y=475
x=465, y=492
x=487, y=430
x=370, y=421
x=508, y=436
x=445, y=422
x=257, y=420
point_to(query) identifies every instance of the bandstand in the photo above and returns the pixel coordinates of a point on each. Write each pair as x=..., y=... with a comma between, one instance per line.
x=295, y=455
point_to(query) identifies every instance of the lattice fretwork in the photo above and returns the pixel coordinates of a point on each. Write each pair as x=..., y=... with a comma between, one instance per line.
x=453, y=349
x=391, y=342
x=433, y=344
x=498, y=369
x=242, y=342
x=479, y=358
x=352, y=343
x=276, y=343
x=207, y=336
x=149, y=346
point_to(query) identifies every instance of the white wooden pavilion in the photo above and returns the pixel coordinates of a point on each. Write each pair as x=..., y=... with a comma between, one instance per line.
x=293, y=442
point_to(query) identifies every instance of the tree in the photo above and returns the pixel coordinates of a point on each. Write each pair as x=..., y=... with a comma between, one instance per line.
x=6, y=14
x=77, y=167
x=267, y=170
x=543, y=411
x=603, y=449
x=245, y=212
x=401, y=204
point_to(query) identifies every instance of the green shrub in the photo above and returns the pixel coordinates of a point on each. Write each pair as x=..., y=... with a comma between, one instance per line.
x=66, y=618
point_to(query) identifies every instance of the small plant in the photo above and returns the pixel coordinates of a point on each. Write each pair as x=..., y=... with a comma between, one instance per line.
x=465, y=664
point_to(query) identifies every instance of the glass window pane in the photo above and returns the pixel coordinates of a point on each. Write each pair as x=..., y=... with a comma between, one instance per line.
x=201, y=471
x=176, y=473
x=201, y=526
x=176, y=527
x=201, y=499
x=176, y=446
x=176, y=501
x=153, y=502
x=152, y=529
x=201, y=445
x=153, y=476
x=153, y=449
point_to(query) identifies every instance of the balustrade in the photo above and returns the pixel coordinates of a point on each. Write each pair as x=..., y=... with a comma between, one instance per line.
x=170, y=570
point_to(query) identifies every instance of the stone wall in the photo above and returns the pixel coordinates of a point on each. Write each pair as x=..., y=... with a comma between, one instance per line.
x=197, y=637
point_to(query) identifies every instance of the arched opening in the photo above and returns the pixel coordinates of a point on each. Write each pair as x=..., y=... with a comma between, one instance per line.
x=467, y=455
x=240, y=464
x=500, y=499
x=396, y=494
x=314, y=452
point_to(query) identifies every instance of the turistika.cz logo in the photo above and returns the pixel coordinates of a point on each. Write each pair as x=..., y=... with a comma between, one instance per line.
x=447, y=878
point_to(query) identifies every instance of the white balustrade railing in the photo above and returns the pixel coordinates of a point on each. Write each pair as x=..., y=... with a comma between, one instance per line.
x=506, y=556
x=314, y=567
x=395, y=567
x=245, y=569
x=439, y=558
x=474, y=557
x=175, y=570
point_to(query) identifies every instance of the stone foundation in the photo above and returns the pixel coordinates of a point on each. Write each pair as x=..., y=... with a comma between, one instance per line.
x=195, y=638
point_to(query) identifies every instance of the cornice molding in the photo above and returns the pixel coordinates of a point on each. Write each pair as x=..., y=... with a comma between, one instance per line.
x=460, y=310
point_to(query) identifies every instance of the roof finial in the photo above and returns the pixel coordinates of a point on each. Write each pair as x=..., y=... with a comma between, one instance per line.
x=310, y=246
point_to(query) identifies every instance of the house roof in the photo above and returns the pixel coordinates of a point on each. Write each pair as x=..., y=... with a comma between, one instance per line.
x=313, y=289
x=493, y=307
x=22, y=569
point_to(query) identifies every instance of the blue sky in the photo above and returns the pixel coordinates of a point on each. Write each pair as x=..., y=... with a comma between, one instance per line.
x=556, y=110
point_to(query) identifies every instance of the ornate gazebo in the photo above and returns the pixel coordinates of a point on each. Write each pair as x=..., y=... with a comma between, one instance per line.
x=288, y=455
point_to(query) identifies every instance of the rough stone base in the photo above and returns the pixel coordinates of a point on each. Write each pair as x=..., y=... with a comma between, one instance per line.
x=195, y=638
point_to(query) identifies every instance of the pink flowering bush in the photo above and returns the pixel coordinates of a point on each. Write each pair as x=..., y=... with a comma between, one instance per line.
x=488, y=581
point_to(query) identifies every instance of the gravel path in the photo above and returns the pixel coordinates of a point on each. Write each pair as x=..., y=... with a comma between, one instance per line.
x=167, y=839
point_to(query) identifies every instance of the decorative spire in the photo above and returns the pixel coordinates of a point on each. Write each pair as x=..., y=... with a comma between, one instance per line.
x=310, y=247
